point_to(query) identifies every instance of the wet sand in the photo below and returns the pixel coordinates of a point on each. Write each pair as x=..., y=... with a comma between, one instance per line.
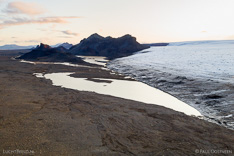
x=50, y=120
x=198, y=73
x=214, y=99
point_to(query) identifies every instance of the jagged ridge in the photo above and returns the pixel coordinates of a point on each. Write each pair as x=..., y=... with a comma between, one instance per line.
x=46, y=53
x=96, y=45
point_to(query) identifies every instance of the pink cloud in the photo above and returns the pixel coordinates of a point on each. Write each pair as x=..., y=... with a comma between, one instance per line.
x=68, y=32
x=27, y=8
x=42, y=20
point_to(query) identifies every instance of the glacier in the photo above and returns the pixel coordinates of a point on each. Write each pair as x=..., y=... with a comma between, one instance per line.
x=200, y=73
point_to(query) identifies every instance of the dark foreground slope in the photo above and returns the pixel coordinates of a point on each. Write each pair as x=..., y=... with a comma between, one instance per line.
x=45, y=53
x=49, y=120
x=96, y=45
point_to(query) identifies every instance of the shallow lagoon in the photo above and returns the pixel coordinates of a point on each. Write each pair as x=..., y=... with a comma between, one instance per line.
x=132, y=90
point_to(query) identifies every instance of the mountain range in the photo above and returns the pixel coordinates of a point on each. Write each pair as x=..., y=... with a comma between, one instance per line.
x=96, y=45
x=17, y=47
x=45, y=53
x=65, y=45
x=14, y=47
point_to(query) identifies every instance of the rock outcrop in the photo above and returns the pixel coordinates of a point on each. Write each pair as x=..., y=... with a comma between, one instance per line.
x=45, y=53
x=96, y=45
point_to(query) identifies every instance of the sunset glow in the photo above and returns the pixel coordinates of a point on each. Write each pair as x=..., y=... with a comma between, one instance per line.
x=29, y=22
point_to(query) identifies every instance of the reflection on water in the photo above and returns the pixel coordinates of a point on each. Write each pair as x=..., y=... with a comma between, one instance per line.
x=59, y=63
x=89, y=59
x=99, y=60
x=132, y=90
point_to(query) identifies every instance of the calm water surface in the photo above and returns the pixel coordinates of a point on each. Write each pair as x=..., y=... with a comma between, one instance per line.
x=132, y=90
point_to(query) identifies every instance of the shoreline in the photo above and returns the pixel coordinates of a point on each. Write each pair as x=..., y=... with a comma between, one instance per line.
x=202, y=94
x=164, y=97
x=165, y=84
x=131, y=90
x=38, y=116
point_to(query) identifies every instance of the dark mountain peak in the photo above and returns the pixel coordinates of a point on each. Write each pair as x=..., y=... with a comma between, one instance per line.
x=96, y=45
x=45, y=53
x=95, y=36
x=109, y=37
x=127, y=36
x=43, y=47
x=66, y=45
x=61, y=49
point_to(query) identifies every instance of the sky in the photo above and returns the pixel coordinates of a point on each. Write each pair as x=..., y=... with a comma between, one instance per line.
x=30, y=22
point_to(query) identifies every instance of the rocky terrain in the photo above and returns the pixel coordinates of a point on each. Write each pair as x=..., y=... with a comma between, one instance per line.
x=213, y=99
x=50, y=120
x=96, y=45
x=45, y=53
